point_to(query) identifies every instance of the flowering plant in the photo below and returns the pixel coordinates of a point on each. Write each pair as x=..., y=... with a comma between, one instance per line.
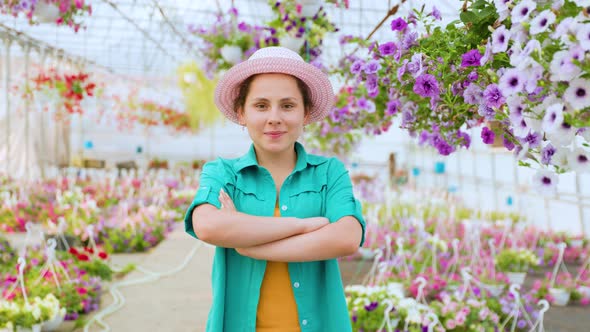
x=228, y=41
x=61, y=12
x=542, y=93
x=516, y=260
x=94, y=262
x=71, y=88
x=465, y=315
x=299, y=31
x=7, y=254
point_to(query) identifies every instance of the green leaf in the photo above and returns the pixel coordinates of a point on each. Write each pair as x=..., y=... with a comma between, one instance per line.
x=468, y=17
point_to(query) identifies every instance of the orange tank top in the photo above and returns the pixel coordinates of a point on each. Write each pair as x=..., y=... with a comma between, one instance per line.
x=277, y=309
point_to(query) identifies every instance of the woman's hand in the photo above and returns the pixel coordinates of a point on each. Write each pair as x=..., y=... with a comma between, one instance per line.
x=226, y=202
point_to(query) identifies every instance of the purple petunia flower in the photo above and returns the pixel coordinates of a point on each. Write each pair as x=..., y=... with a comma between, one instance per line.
x=508, y=144
x=244, y=27
x=532, y=138
x=424, y=137
x=399, y=24
x=436, y=13
x=442, y=146
x=372, y=67
x=466, y=139
x=473, y=94
x=361, y=103
x=372, y=306
x=387, y=48
x=409, y=40
x=487, y=135
x=487, y=112
x=426, y=86
x=471, y=59
x=547, y=153
x=472, y=77
x=393, y=106
x=372, y=83
x=493, y=96
x=357, y=67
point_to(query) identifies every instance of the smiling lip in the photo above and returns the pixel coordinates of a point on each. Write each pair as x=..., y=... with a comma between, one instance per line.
x=275, y=134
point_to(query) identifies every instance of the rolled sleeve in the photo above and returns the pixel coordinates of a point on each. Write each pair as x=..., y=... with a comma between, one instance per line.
x=340, y=200
x=210, y=184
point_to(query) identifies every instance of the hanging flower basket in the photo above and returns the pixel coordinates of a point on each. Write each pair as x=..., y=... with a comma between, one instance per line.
x=46, y=12
x=561, y=296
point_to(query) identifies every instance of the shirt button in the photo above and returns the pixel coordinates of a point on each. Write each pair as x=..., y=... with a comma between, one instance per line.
x=296, y=285
x=304, y=322
x=284, y=208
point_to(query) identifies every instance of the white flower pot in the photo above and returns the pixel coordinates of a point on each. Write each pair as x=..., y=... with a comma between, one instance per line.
x=292, y=43
x=495, y=290
x=310, y=7
x=35, y=328
x=232, y=54
x=584, y=290
x=560, y=296
x=516, y=277
x=46, y=12
x=366, y=253
x=52, y=325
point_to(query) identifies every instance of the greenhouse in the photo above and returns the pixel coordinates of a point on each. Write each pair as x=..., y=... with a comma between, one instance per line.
x=295, y=165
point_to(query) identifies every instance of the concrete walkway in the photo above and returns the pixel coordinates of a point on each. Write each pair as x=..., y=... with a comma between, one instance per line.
x=179, y=302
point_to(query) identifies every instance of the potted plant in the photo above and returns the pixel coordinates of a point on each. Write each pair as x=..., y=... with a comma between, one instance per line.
x=562, y=289
x=516, y=263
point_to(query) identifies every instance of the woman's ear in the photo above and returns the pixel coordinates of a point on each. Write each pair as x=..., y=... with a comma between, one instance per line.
x=240, y=113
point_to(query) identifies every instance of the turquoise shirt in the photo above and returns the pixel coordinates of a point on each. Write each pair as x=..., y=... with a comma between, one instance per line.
x=318, y=186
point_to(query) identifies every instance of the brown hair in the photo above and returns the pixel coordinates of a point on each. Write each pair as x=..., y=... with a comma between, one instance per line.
x=244, y=89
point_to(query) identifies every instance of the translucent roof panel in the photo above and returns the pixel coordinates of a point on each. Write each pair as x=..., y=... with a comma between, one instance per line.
x=151, y=38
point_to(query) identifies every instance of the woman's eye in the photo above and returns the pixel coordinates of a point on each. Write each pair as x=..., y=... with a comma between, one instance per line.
x=260, y=106
x=289, y=106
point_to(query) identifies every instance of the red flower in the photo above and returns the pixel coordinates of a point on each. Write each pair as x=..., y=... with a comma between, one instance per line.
x=73, y=251
x=82, y=291
x=103, y=255
x=89, y=250
x=83, y=257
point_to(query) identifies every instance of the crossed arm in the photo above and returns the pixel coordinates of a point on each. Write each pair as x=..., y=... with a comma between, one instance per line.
x=296, y=240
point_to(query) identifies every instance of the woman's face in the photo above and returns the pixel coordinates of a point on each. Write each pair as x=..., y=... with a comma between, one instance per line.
x=273, y=112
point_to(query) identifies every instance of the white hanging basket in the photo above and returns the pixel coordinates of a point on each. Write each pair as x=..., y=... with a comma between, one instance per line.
x=366, y=253
x=584, y=290
x=55, y=323
x=310, y=7
x=292, y=43
x=232, y=54
x=560, y=296
x=516, y=277
x=495, y=290
x=35, y=328
x=46, y=12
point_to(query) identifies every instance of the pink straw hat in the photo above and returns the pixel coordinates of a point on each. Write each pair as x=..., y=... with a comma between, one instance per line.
x=276, y=60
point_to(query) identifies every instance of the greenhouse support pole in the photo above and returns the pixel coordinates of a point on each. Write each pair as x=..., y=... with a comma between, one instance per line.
x=27, y=49
x=494, y=187
x=7, y=43
x=580, y=205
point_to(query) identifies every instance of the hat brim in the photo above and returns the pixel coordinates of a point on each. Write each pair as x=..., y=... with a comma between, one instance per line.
x=321, y=92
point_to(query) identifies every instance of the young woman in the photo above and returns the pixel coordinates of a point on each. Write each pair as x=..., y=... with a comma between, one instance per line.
x=278, y=216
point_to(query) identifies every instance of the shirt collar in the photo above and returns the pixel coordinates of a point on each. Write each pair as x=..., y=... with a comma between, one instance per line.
x=249, y=159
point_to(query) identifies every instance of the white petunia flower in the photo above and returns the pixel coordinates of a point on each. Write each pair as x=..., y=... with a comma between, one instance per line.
x=502, y=8
x=557, y=4
x=553, y=117
x=541, y=22
x=500, y=39
x=545, y=182
x=563, y=29
x=522, y=11
x=583, y=36
x=578, y=93
x=579, y=160
x=512, y=82
x=562, y=68
x=562, y=135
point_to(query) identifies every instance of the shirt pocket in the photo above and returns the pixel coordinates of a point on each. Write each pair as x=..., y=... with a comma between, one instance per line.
x=248, y=198
x=309, y=200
